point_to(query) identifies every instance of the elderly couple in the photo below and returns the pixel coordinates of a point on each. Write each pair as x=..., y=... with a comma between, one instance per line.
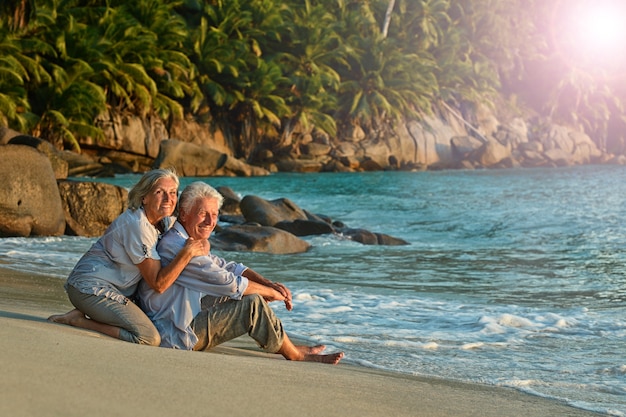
x=189, y=298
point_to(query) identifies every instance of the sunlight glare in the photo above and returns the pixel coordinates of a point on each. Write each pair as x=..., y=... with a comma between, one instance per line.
x=602, y=29
x=591, y=33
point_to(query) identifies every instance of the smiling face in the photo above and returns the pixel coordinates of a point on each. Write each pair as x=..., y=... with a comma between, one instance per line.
x=160, y=202
x=200, y=220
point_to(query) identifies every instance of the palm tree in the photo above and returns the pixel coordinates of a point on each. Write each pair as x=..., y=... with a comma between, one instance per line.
x=18, y=13
x=13, y=77
x=239, y=86
x=310, y=50
x=164, y=58
x=384, y=84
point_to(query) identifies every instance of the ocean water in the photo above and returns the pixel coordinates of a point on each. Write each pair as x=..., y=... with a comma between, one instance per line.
x=512, y=278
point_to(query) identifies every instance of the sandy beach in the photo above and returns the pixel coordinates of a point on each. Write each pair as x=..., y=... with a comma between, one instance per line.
x=55, y=370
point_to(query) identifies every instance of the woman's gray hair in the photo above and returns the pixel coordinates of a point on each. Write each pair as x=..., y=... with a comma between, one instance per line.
x=145, y=184
x=195, y=191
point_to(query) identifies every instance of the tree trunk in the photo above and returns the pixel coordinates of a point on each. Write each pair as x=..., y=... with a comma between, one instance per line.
x=388, y=18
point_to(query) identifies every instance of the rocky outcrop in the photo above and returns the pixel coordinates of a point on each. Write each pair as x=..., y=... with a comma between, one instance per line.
x=90, y=207
x=269, y=213
x=59, y=165
x=188, y=159
x=284, y=214
x=191, y=160
x=128, y=133
x=447, y=141
x=471, y=137
x=30, y=204
x=33, y=203
x=230, y=206
x=256, y=238
x=7, y=134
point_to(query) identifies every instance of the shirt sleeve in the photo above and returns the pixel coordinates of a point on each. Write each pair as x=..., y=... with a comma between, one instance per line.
x=140, y=240
x=209, y=275
x=212, y=276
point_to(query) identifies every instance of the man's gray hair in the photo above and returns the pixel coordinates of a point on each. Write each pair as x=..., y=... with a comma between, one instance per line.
x=145, y=184
x=196, y=191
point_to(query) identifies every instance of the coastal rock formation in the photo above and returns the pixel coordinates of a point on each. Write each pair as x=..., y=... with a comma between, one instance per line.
x=231, y=201
x=31, y=197
x=30, y=204
x=188, y=159
x=91, y=206
x=465, y=138
x=59, y=165
x=300, y=227
x=284, y=214
x=257, y=239
x=269, y=213
x=370, y=238
x=6, y=134
x=193, y=160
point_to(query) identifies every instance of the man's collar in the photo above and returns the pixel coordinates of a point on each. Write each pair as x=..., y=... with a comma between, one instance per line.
x=181, y=230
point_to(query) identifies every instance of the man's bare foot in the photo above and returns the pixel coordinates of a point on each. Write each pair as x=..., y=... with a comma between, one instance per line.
x=72, y=318
x=331, y=358
x=311, y=350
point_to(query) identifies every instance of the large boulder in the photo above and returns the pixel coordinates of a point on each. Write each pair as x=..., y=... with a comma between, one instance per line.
x=463, y=146
x=491, y=153
x=231, y=201
x=269, y=213
x=191, y=160
x=59, y=165
x=306, y=227
x=128, y=133
x=30, y=204
x=258, y=239
x=188, y=159
x=90, y=207
x=367, y=237
x=6, y=134
x=235, y=167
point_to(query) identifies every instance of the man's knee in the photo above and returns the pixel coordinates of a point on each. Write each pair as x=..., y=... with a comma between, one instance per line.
x=257, y=304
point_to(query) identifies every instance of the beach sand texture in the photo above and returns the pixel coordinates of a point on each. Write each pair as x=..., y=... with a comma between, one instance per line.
x=55, y=370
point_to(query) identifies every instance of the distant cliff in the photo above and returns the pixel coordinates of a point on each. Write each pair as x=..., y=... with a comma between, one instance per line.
x=450, y=139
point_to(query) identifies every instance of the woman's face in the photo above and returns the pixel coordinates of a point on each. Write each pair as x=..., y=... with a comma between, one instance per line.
x=160, y=202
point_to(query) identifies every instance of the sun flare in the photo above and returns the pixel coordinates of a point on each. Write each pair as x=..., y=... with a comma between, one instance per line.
x=602, y=27
x=592, y=32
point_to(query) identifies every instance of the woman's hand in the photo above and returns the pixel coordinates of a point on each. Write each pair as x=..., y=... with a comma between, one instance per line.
x=195, y=247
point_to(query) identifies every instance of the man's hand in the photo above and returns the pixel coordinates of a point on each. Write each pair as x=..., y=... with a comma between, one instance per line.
x=285, y=293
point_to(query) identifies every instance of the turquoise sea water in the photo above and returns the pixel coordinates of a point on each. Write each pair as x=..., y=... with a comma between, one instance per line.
x=514, y=278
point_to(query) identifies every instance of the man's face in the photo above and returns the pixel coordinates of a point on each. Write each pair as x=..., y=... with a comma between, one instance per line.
x=201, y=219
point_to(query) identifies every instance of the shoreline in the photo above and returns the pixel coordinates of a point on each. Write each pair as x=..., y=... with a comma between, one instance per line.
x=51, y=369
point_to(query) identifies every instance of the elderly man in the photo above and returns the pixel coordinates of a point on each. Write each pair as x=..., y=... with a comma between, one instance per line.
x=213, y=300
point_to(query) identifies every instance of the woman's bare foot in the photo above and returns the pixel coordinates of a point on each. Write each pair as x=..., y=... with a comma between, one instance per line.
x=331, y=358
x=76, y=318
x=72, y=318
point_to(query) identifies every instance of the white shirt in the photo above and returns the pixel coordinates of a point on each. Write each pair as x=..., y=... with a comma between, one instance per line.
x=109, y=267
x=173, y=311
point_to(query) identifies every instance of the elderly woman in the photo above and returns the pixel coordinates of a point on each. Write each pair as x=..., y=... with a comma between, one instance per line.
x=104, y=278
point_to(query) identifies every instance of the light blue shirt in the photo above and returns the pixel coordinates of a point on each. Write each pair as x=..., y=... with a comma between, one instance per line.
x=173, y=311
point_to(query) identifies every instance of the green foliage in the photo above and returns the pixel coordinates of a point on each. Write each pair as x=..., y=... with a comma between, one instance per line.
x=259, y=68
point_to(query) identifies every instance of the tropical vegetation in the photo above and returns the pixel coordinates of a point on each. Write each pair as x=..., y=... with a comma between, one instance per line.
x=259, y=69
